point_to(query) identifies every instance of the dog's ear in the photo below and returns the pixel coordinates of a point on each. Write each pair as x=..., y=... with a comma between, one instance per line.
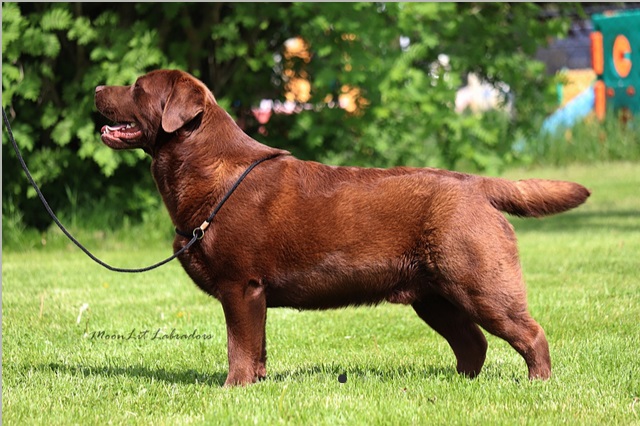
x=185, y=102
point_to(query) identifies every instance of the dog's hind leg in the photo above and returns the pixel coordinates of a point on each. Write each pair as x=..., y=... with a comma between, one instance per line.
x=463, y=335
x=496, y=301
x=514, y=324
x=481, y=275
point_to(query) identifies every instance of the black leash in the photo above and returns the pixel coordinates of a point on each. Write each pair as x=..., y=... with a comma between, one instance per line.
x=197, y=233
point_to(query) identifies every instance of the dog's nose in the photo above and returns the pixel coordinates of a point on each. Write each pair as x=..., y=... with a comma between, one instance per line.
x=99, y=88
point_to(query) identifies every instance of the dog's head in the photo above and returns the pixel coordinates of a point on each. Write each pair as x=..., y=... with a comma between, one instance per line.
x=159, y=104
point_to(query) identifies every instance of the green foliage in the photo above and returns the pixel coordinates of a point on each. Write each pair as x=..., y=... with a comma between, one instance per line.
x=487, y=39
x=55, y=54
x=50, y=100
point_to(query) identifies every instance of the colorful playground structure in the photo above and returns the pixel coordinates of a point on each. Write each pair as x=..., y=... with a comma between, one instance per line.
x=615, y=54
x=615, y=74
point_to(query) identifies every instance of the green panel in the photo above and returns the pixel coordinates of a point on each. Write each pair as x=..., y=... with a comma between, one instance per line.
x=625, y=23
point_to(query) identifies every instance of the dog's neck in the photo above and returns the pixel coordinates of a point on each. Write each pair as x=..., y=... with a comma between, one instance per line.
x=194, y=168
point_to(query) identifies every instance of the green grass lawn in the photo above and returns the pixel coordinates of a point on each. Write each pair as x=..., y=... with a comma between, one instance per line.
x=581, y=268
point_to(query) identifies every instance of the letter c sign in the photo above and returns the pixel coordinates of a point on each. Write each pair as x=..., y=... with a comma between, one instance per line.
x=622, y=55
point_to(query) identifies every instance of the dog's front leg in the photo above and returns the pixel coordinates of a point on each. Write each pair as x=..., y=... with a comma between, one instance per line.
x=245, y=311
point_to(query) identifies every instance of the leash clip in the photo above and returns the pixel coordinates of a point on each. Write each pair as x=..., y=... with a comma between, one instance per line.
x=199, y=231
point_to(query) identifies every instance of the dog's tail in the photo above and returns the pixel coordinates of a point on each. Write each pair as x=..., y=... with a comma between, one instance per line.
x=533, y=197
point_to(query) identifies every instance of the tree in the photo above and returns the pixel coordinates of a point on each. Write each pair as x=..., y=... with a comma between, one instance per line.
x=54, y=54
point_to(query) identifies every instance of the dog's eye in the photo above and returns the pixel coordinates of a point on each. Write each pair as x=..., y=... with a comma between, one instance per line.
x=137, y=89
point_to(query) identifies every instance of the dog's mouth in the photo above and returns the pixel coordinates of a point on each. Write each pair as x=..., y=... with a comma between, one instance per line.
x=120, y=133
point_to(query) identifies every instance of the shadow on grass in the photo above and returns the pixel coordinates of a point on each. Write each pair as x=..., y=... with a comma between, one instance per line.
x=187, y=377
x=184, y=377
x=385, y=374
x=619, y=220
x=490, y=371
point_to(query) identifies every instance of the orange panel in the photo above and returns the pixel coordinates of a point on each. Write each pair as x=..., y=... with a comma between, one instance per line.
x=597, y=52
x=600, y=101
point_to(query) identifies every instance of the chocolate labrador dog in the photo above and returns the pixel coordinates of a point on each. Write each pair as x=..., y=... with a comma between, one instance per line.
x=312, y=236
